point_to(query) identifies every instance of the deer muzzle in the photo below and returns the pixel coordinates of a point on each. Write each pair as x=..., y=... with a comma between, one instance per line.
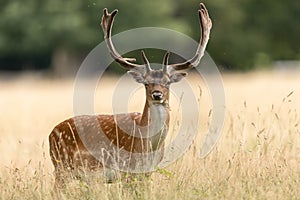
x=157, y=95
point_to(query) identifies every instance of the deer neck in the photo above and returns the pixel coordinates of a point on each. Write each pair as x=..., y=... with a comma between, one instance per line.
x=156, y=118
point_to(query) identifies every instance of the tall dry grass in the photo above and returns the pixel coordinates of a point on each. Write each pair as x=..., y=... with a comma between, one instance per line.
x=257, y=157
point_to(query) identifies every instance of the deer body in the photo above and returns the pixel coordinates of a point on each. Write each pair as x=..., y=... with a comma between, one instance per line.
x=68, y=151
x=75, y=141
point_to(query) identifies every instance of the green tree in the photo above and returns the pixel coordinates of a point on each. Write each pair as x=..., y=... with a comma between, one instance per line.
x=245, y=33
x=32, y=30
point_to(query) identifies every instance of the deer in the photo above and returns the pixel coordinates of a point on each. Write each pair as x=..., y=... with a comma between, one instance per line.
x=135, y=133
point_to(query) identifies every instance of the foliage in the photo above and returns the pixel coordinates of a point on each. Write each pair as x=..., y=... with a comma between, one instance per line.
x=245, y=33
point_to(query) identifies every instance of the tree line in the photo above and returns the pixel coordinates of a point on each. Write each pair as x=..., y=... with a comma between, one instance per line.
x=246, y=34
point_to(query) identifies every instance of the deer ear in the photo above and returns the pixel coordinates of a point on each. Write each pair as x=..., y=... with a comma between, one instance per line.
x=138, y=77
x=177, y=76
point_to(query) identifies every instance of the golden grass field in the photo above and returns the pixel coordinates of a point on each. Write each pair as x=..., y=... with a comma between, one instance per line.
x=257, y=156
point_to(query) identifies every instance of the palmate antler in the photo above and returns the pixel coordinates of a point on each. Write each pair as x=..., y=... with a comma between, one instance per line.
x=107, y=22
x=205, y=23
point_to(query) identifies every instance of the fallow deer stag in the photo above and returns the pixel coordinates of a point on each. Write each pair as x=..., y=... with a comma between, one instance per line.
x=132, y=132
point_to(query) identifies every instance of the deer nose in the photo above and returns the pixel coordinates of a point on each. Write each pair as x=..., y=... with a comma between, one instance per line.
x=157, y=95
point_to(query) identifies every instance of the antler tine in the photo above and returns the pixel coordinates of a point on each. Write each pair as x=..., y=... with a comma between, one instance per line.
x=166, y=61
x=206, y=25
x=146, y=62
x=107, y=23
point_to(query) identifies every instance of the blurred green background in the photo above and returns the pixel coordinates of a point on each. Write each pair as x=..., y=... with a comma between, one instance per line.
x=53, y=35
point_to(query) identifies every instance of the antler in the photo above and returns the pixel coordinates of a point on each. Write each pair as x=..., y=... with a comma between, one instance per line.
x=206, y=25
x=107, y=23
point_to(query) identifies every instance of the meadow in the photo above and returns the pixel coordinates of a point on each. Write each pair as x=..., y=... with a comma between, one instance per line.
x=257, y=156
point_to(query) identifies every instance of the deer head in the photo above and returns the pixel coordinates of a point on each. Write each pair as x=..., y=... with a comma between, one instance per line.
x=157, y=82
